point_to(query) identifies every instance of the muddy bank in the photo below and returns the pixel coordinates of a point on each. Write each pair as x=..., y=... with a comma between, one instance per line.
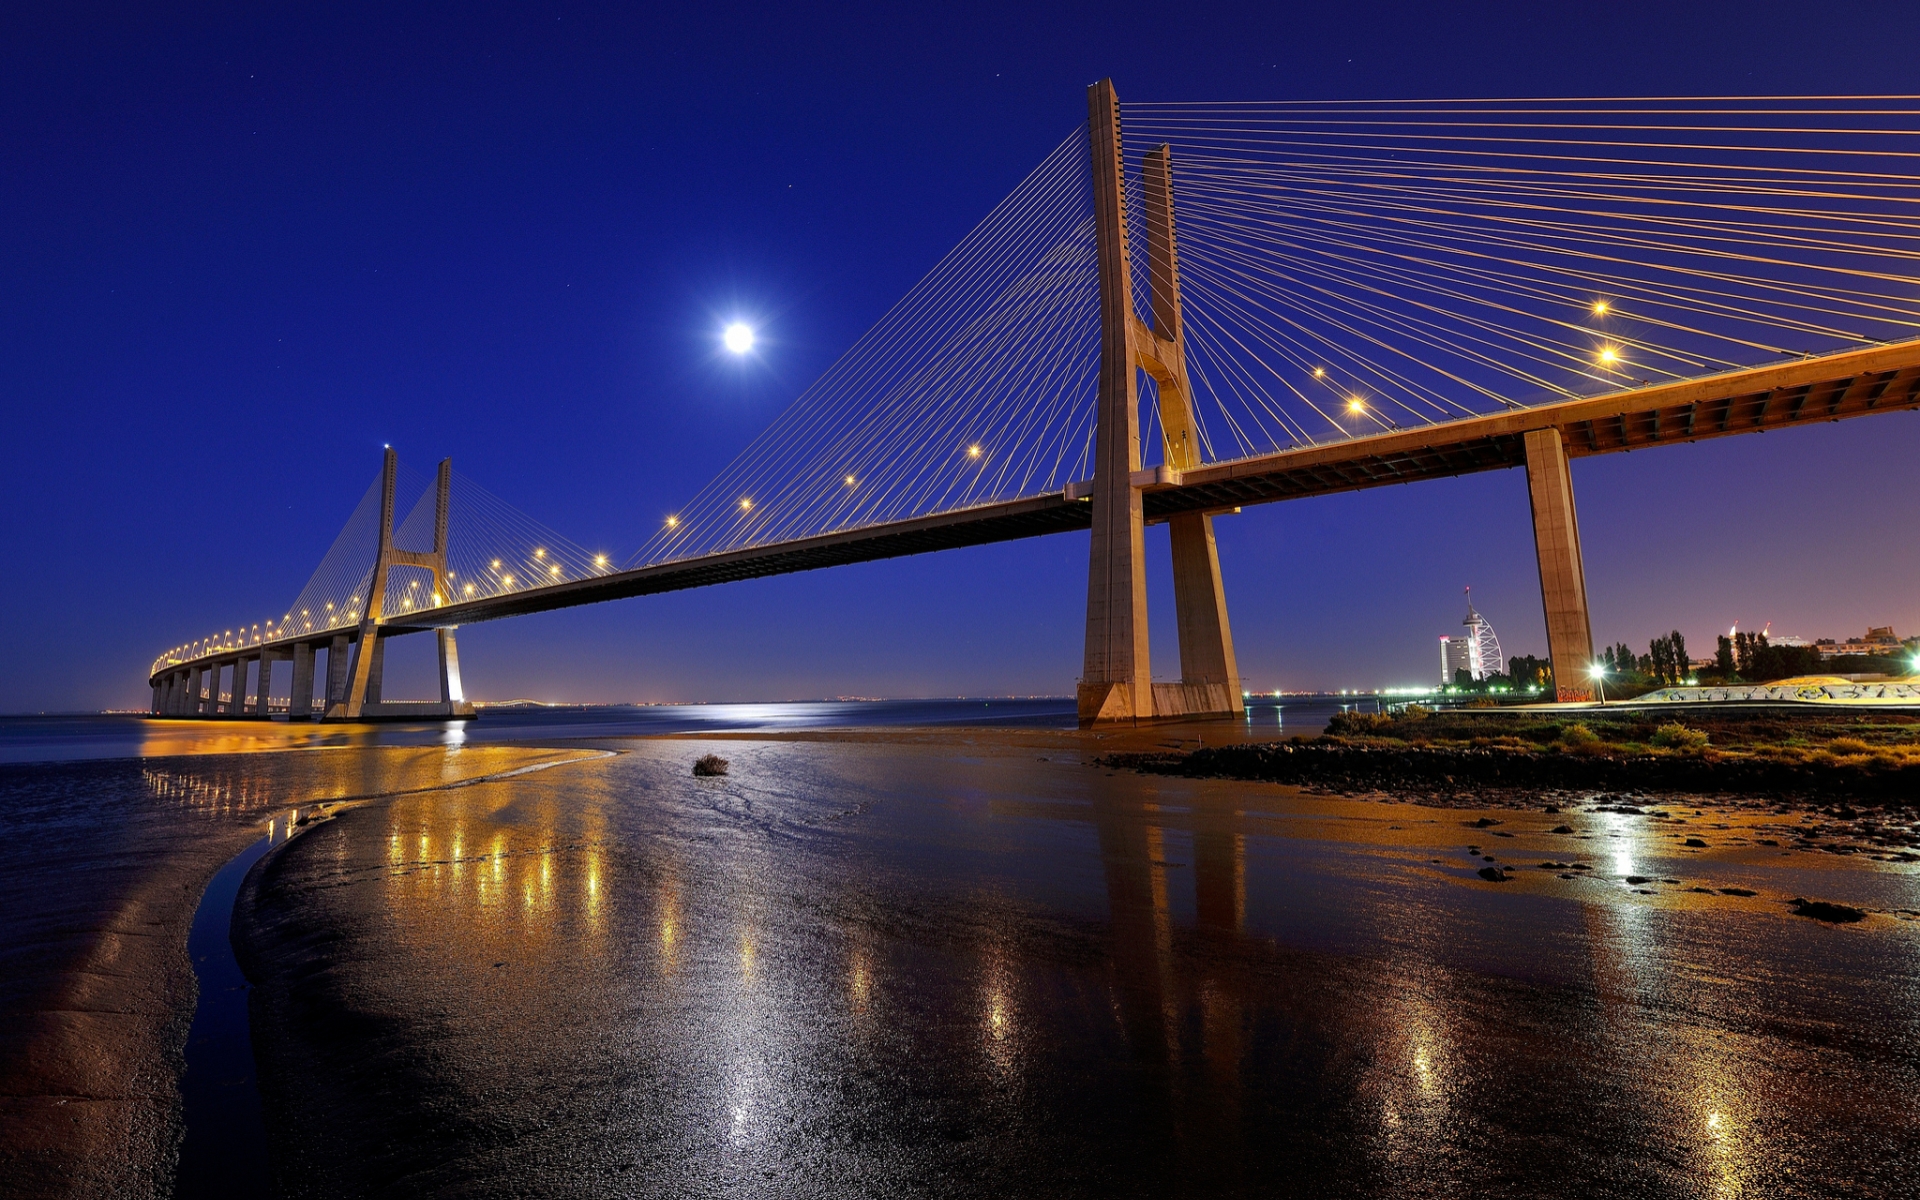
x=1438, y=771
x=102, y=865
x=100, y=872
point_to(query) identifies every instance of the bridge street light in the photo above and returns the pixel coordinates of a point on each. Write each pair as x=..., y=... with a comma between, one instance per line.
x=1599, y=673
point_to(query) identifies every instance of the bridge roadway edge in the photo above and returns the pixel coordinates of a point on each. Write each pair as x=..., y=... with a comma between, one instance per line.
x=1752, y=400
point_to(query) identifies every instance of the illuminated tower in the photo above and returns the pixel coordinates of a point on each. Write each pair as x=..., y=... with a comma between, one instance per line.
x=1483, y=648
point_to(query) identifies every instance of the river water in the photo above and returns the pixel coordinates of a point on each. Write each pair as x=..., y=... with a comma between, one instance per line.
x=969, y=961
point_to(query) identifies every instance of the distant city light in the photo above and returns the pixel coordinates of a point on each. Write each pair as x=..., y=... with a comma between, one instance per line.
x=738, y=338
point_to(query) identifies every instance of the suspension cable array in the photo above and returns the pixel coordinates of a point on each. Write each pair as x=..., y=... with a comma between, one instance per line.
x=976, y=386
x=1351, y=267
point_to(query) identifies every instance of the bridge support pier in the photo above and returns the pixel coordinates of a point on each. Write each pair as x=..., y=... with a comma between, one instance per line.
x=339, y=658
x=374, y=647
x=1209, y=674
x=1563, y=581
x=300, y=702
x=237, y=694
x=450, y=690
x=263, y=689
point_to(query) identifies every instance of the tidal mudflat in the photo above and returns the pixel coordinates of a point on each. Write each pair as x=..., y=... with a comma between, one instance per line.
x=102, y=864
x=977, y=964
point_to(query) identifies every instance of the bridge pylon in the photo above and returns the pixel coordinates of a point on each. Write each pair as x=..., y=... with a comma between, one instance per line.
x=1116, y=682
x=354, y=686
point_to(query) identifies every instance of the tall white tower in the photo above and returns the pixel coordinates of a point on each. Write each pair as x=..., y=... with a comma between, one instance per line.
x=1483, y=648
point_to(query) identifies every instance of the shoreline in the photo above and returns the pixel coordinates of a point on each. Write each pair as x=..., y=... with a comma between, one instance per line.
x=103, y=884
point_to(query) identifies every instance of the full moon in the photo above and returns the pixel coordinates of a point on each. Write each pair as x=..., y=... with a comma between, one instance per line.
x=738, y=338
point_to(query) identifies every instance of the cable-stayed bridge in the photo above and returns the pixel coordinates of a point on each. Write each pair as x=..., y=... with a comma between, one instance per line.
x=1232, y=304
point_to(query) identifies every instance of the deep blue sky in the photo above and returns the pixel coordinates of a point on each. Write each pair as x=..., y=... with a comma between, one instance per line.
x=243, y=246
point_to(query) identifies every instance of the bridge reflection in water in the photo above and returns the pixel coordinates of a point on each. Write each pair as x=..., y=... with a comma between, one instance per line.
x=861, y=967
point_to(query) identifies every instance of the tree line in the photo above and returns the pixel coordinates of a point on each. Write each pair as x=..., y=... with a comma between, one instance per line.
x=1741, y=658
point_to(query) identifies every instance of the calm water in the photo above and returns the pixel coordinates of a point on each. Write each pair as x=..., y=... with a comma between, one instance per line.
x=61, y=738
x=224, y=1153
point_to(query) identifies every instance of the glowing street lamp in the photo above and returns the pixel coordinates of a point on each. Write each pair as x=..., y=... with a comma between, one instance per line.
x=1599, y=673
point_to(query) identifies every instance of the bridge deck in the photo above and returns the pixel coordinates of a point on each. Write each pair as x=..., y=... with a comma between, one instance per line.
x=1800, y=392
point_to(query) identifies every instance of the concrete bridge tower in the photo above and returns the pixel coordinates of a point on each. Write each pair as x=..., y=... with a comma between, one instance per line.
x=353, y=687
x=1116, y=682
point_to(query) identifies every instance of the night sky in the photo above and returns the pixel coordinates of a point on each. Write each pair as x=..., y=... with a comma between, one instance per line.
x=242, y=247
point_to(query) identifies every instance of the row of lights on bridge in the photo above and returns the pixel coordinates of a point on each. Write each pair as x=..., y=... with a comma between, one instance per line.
x=1607, y=357
x=336, y=617
x=973, y=452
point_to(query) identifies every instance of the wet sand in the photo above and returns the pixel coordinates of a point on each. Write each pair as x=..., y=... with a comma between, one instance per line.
x=101, y=867
x=931, y=963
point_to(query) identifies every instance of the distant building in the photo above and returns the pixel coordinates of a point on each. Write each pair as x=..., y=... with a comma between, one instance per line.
x=1880, y=640
x=1477, y=651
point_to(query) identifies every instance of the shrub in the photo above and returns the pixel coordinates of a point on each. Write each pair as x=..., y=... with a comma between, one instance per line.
x=1577, y=734
x=1416, y=712
x=1676, y=736
x=710, y=764
x=1358, y=724
x=1849, y=745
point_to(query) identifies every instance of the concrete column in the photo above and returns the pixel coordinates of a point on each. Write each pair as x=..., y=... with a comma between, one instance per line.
x=237, y=694
x=450, y=690
x=1116, y=679
x=340, y=655
x=375, y=662
x=1200, y=606
x=300, y=702
x=176, y=692
x=264, y=687
x=158, y=688
x=1563, y=582
x=202, y=685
